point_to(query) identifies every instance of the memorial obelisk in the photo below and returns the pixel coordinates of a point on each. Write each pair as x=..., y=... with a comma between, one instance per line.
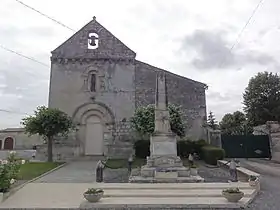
x=163, y=164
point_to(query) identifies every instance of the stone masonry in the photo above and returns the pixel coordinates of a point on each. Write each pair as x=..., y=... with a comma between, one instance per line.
x=95, y=77
x=271, y=128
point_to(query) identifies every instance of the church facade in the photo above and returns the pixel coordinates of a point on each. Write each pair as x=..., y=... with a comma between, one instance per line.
x=97, y=80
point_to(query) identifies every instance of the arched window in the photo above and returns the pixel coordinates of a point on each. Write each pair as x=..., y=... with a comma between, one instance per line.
x=9, y=143
x=92, y=82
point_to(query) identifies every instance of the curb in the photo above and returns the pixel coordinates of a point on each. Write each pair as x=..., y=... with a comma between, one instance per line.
x=14, y=190
x=245, y=173
x=242, y=170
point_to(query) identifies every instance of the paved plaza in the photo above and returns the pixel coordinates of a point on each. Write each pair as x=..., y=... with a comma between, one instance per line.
x=74, y=172
x=64, y=187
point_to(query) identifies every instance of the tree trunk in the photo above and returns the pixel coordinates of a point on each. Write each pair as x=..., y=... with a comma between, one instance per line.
x=50, y=149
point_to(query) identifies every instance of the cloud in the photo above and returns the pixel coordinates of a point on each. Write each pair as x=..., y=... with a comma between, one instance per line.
x=213, y=51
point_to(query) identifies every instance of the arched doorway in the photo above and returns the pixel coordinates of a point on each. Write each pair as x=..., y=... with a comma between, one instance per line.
x=9, y=143
x=94, y=136
x=95, y=121
x=0, y=144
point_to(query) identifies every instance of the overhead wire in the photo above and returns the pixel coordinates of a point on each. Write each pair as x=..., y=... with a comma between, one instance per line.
x=13, y=112
x=43, y=14
x=236, y=42
x=24, y=56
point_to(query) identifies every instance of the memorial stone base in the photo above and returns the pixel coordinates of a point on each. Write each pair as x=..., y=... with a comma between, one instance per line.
x=164, y=165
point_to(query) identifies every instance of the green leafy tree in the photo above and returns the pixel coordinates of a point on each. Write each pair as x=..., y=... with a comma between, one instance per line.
x=262, y=98
x=235, y=124
x=211, y=121
x=144, y=117
x=48, y=122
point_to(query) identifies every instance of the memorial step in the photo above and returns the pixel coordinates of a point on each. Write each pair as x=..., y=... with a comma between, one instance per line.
x=167, y=193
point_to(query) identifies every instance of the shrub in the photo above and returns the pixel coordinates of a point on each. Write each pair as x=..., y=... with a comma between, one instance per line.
x=143, y=120
x=185, y=147
x=142, y=148
x=199, y=145
x=212, y=154
x=9, y=170
x=94, y=191
x=232, y=190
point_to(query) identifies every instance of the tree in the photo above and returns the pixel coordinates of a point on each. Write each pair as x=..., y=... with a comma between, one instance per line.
x=48, y=123
x=144, y=117
x=262, y=98
x=211, y=121
x=235, y=124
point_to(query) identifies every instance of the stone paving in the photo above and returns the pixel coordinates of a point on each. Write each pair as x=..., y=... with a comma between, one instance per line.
x=83, y=172
x=70, y=195
x=74, y=172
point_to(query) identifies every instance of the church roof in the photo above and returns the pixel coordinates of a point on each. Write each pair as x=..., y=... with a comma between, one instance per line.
x=104, y=46
x=93, y=41
x=154, y=68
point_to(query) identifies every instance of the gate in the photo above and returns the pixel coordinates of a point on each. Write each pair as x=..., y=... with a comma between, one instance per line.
x=246, y=146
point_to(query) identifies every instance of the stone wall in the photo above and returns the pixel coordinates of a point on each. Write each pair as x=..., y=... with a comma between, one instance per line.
x=214, y=137
x=182, y=91
x=272, y=129
x=22, y=141
x=65, y=148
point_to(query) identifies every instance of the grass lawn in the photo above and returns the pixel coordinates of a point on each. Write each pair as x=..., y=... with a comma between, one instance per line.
x=31, y=170
x=122, y=163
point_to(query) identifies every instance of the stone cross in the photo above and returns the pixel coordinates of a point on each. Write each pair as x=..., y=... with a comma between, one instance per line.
x=162, y=120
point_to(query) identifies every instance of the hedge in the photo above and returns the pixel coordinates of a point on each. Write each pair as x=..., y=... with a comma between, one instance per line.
x=142, y=148
x=184, y=148
x=211, y=154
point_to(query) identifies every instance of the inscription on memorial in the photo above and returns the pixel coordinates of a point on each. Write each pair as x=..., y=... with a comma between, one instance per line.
x=164, y=148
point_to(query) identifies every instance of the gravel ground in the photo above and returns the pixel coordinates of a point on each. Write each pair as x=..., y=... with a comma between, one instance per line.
x=115, y=175
x=209, y=174
x=213, y=174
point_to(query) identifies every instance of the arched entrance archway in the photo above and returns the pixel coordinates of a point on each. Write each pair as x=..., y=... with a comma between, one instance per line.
x=93, y=120
x=9, y=143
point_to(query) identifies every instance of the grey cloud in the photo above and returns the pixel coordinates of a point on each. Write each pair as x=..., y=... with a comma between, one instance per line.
x=216, y=96
x=214, y=51
x=13, y=31
x=14, y=37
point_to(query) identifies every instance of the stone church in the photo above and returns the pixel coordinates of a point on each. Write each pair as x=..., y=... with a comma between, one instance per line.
x=97, y=80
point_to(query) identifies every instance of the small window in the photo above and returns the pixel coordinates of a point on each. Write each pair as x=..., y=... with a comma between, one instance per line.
x=92, y=84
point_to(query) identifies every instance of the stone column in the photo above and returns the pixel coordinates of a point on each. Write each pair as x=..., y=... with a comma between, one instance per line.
x=162, y=118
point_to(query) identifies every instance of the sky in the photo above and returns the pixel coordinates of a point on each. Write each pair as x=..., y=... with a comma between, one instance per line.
x=187, y=37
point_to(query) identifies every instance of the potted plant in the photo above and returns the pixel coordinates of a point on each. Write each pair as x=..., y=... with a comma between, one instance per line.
x=193, y=170
x=93, y=195
x=253, y=181
x=233, y=194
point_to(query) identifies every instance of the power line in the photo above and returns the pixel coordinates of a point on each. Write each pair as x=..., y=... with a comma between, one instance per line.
x=13, y=112
x=241, y=32
x=24, y=56
x=52, y=19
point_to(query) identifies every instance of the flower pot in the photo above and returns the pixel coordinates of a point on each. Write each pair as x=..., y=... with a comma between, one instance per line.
x=193, y=171
x=233, y=197
x=93, y=198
